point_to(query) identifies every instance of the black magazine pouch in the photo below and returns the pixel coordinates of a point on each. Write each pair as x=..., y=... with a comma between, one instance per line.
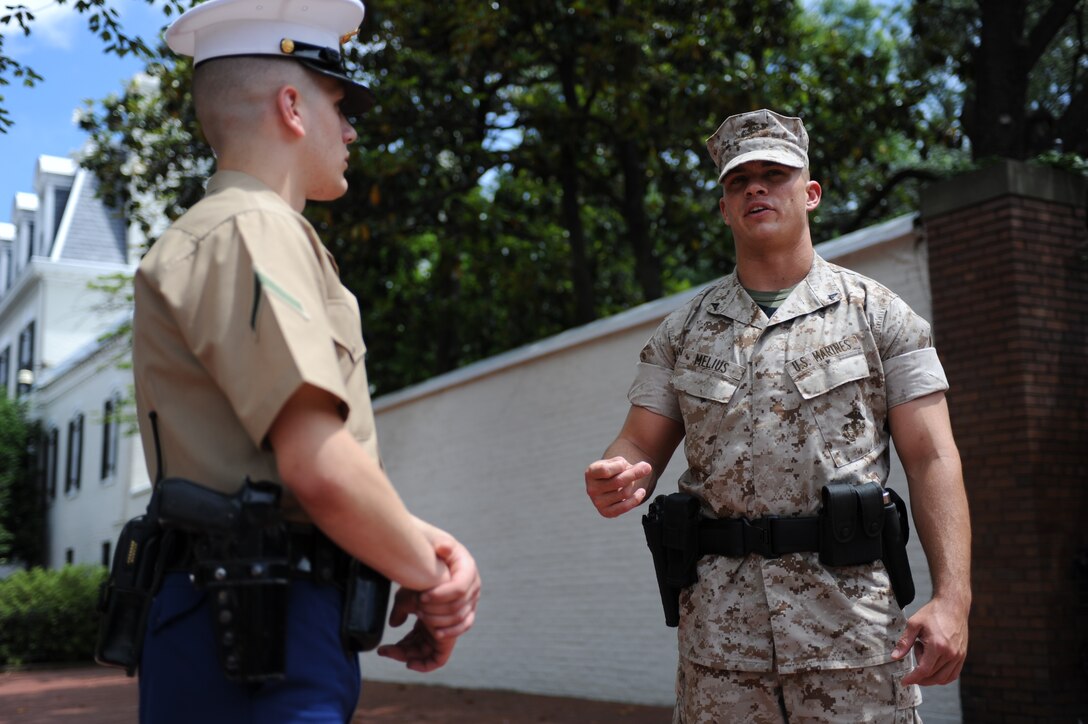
x=851, y=523
x=366, y=600
x=125, y=596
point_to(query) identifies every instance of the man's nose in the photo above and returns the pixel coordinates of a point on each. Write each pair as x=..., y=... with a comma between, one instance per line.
x=755, y=186
x=349, y=133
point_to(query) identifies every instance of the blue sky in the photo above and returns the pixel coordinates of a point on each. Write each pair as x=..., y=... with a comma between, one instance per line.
x=75, y=67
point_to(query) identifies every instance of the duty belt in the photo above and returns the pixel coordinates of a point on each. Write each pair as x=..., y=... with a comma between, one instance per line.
x=770, y=537
x=857, y=524
x=311, y=556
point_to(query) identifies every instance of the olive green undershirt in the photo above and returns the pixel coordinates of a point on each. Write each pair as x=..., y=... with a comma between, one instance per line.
x=769, y=302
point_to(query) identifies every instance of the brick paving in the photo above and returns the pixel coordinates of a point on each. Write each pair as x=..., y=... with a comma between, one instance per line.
x=97, y=695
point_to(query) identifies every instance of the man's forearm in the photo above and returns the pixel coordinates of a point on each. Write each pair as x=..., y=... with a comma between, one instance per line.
x=942, y=520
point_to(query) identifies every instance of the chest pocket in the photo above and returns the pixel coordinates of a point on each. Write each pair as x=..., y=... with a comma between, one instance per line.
x=835, y=383
x=347, y=334
x=704, y=395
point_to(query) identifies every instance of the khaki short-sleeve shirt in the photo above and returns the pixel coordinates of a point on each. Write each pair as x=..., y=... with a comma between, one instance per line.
x=237, y=306
x=773, y=410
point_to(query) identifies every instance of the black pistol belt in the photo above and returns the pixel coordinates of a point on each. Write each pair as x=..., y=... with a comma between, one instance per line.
x=311, y=556
x=770, y=537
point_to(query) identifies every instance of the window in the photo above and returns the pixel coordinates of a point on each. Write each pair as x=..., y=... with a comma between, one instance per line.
x=60, y=202
x=52, y=443
x=75, y=454
x=111, y=435
x=26, y=357
x=29, y=240
x=69, y=556
x=5, y=370
x=106, y=553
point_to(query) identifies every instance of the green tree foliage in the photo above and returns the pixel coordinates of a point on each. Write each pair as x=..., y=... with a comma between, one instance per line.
x=1018, y=71
x=49, y=615
x=533, y=166
x=22, y=510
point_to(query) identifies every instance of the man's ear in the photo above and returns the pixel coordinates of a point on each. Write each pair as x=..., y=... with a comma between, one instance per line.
x=721, y=209
x=813, y=194
x=288, y=101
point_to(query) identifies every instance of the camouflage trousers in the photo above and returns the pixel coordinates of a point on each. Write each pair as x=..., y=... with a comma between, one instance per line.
x=870, y=694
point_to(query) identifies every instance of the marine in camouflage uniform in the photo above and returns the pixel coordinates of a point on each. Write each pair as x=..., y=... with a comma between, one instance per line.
x=773, y=403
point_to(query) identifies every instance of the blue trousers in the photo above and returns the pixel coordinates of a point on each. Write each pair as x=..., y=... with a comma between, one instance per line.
x=181, y=679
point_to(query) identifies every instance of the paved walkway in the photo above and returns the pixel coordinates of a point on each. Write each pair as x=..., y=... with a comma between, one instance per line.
x=97, y=695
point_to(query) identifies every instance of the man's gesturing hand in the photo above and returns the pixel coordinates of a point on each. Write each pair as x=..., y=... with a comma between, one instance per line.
x=616, y=486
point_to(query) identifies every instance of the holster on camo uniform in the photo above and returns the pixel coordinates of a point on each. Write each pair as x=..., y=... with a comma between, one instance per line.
x=671, y=526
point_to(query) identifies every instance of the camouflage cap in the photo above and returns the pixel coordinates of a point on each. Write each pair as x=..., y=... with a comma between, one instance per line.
x=761, y=135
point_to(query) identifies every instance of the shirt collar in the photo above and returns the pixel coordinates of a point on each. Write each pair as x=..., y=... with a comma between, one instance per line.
x=817, y=290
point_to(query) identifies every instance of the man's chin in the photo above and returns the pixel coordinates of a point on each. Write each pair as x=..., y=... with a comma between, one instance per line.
x=329, y=194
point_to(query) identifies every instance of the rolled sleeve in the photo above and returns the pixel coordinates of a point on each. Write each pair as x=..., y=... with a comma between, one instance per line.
x=913, y=375
x=652, y=390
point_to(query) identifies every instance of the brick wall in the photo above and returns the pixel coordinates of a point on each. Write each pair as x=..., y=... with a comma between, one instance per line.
x=1008, y=255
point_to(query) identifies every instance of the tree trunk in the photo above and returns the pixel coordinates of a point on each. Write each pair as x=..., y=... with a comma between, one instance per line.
x=995, y=119
x=580, y=272
x=647, y=265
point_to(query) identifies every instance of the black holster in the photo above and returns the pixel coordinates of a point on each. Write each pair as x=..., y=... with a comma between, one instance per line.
x=671, y=526
x=239, y=549
x=896, y=535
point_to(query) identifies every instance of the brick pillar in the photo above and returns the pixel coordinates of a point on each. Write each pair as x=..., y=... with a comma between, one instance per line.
x=1008, y=259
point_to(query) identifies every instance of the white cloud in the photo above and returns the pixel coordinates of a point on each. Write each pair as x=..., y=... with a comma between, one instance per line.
x=55, y=27
x=52, y=29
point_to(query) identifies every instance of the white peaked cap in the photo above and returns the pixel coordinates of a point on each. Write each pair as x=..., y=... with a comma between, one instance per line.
x=310, y=31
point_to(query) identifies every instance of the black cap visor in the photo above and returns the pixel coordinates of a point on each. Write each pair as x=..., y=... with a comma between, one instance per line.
x=330, y=62
x=357, y=97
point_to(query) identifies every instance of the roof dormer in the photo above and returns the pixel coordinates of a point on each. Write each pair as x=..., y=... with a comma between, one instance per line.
x=53, y=179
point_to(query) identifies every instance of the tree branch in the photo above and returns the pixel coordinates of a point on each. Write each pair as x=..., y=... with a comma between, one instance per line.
x=1072, y=127
x=1048, y=26
x=866, y=210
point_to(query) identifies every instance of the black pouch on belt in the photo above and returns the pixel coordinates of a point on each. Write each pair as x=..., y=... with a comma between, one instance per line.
x=851, y=524
x=125, y=596
x=366, y=600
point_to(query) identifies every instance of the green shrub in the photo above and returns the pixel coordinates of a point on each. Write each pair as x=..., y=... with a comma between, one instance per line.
x=49, y=615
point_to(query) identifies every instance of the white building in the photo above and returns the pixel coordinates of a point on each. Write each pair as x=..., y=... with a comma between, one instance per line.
x=493, y=452
x=54, y=350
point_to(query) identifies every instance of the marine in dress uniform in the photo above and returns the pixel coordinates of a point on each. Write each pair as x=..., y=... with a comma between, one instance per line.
x=776, y=392
x=249, y=364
